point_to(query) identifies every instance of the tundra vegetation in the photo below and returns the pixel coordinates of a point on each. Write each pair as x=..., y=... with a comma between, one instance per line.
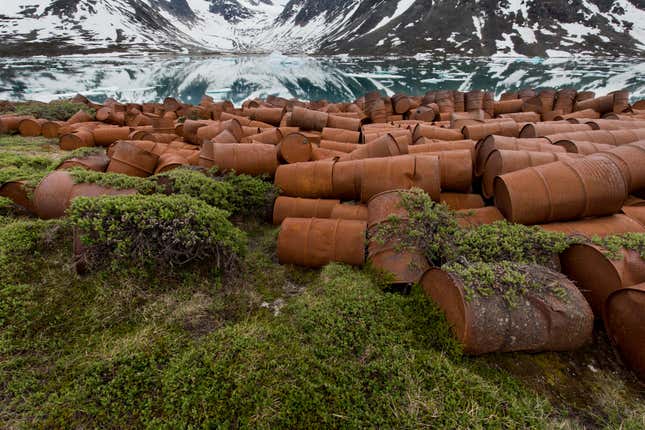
x=231, y=339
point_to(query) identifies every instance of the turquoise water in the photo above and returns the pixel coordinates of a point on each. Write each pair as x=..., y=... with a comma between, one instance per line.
x=150, y=78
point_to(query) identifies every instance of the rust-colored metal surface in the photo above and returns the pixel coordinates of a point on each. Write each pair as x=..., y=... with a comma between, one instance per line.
x=456, y=170
x=470, y=218
x=459, y=201
x=407, y=265
x=355, y=211
x=313, y=242
x=106, y=136
x=251, y=159
x=428, y=145
x=538, y=322
x=80, y=116
x=609, y=137
x=500, y=128
x=347, y=123
x=10, y=123
x=600, y=226
x=340, y=135
x=50, y=129
x=78, y=139
x=599, y=104
x=583, y=147
x=224, y=136
x=504, y=161
x=271, y=136
x=612, y=124
x=597, y=275
x=561, y=191
x=491, y=143
x=132, y=160
x=18, y=192
x=333, y=145
x=385, y=146
x=309, y=180
x=630, y=159
x=96, y=162
x=402, y=172
x=296, y=207
x=432, y=132
x=295, y=148
x=271, y=116
x=542, y=129
x=52, y=195
x=635, y=211
x=170, y=160
x=623, y=315
x=508, y=106
x=346, y=179
x=308, y=119
x=318, y=154
x=31, y=127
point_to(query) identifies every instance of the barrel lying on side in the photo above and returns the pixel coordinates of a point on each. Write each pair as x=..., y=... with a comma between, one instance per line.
x=313, y=242
x=538, y=322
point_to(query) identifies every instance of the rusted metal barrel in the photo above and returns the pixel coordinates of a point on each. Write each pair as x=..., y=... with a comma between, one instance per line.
x=31, y=127
x=630, y=159
x=347, y=123
x=538, y=322
x=407, y=265
x=308, y=180
x=600, y=226
x=96, y=162
x=385, y=146
x=542, y=129
x=499, y=128
x=636, y=212
x=295, y=148
x=565, y=101
x=106, y=136
x=600, y=104
x=522, y=116
x=623, y=315
x=224, y=136
x=471, y=218
x=561, y=191
x=51, y=129
x=424, y=145
x=271, y=136
x=9, y=124
x=295, y=207
x=19, y=193
x=460, y=201
x=267, y=115
x=584, y=114
x=251, y=159
x=340, y=135
x=146, y=145
x=456, y=170
x=402, y=172
x=609, y=137
x=503, y=161
x=432, y=132
x=131, y=160
x=346, y=180
x=508, y=106
x=609, y=124
x=318, y=154
x=80, y=116
x=170, y=160
x=313, y=242
x=356, y=211
x=583, y=147
x=597, y=275
x=338, y=146
x=79, y=139
x=55, y=192
x=491, y=143
x=308, y=119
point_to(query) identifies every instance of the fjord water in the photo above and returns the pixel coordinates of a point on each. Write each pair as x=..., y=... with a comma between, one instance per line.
x=152, y=78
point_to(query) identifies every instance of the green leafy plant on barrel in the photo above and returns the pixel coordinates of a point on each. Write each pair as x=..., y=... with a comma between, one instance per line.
x=156, y=231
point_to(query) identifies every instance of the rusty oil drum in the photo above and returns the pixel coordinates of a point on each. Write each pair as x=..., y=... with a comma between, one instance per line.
x=538, y=322
x=313, y=242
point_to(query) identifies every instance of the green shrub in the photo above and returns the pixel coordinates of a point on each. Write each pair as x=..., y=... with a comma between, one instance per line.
x=83, y=152
x=157, y=230
x=18, y=167
x=213, y=191
x=58, y=110
x=115, y=180
x=613, y=244
x=508, y=279
x=252, y=196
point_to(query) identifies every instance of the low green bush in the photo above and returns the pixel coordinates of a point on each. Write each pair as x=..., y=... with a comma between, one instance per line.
x=613, y=244
x=156, y=230
x=117, y=181
x=252, y=196
x=58, y=110
x=213, y=191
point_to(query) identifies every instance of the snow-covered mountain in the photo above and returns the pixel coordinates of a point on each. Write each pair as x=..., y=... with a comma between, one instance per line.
x=365, y=27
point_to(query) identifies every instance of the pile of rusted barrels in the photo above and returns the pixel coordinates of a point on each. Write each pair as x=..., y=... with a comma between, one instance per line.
x=565, y=160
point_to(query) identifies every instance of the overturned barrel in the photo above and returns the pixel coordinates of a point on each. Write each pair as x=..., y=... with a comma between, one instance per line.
x=296, y=207
x=251, y=159
x=542, y=321
x=313, y=242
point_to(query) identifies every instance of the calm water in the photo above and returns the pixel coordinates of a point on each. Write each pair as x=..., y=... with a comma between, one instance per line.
x=147, y=78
